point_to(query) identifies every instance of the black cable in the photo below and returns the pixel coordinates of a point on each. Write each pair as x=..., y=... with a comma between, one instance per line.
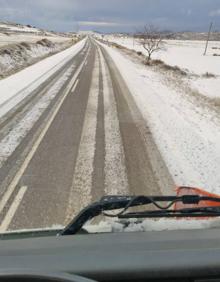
x=152, y=201
x=124, y=209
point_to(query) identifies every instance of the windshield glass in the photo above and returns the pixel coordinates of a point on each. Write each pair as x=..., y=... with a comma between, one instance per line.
x=104, y=98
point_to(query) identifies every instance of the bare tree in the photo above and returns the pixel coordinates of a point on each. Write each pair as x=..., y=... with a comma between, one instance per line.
x=151, y=39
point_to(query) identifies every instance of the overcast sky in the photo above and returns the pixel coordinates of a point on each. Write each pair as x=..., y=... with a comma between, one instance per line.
x=112, y=15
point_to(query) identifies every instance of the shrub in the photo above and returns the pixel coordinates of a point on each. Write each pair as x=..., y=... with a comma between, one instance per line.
x=215, y=102
x=5, y=52
x=45, y=42
x=139, y=53
x=175, y=69
x=157, y=62
x=25, y=45
x=208, y=75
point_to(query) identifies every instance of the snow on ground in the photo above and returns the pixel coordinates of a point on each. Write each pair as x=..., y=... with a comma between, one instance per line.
x=20, y=37
x=16, y=33
x=16, y=87
x=14, y=137
x=18, y=27
x=209, y=87
x=187, y=55
x=21, y=46
x=133, y=225
x=186, y=134
x=21, y=55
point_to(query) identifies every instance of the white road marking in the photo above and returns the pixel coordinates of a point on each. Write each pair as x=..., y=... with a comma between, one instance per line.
x=116, y=181
x=13, y=208
x=75, y=85
x=20, y=172
x=81, y=188
x=18, y=132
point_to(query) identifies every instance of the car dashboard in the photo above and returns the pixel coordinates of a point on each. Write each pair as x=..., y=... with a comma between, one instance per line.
x=186, y=255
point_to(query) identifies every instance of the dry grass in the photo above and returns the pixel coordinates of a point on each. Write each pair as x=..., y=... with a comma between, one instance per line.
x=208, y=75
x=5, y=51
x=154, y=62
x=21, y=58
x=15, y=49
x=165, y=67
x=45, y=42
x=118, y=46
x=215, y=102
x=176, y=69
x=26, y=45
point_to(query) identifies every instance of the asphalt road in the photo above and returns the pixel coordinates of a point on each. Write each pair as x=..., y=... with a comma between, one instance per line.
x=91, y=141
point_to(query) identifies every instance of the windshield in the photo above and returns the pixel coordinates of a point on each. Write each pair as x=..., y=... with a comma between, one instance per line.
x=104, y=98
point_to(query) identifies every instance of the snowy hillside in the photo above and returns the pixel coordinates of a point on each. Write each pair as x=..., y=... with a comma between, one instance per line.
x=21, y=46
x=16, y=33
x=10, y=27
x=20, y=55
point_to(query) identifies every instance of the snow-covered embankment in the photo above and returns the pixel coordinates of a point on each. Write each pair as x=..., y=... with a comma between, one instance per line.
x=186, y=134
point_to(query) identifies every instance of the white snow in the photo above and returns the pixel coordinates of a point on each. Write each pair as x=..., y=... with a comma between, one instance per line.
x=115, y=225
x=14, y=137
x=187, y=135
x=13, y=33
x=16, y=87
x=163, y=224
x=209, y=87
x=185, y=54
x=20, y=28
x=22, y=37
x=188, y=55
x=115, y=169
x=12, y=61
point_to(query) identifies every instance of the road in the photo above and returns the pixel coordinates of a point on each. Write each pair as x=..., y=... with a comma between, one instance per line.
x=90, y=141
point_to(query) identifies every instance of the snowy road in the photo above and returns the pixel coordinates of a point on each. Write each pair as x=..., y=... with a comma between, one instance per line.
x=78, y=136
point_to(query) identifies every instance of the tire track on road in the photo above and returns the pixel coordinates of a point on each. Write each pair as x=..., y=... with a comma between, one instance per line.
x=98, y=177
x=81, y=189
x=140, y=173
x=116, y=181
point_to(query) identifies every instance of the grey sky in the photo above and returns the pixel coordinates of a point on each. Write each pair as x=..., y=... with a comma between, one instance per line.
x=112, y=15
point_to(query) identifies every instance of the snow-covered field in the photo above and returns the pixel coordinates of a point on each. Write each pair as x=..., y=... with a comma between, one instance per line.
x=15, y=33
x=188, y=55
x=18, y=27
x=185, y=54
x=16, y=38
x=187, y=134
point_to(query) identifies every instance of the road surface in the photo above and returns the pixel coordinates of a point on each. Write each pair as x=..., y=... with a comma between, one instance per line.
x=90, y=141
